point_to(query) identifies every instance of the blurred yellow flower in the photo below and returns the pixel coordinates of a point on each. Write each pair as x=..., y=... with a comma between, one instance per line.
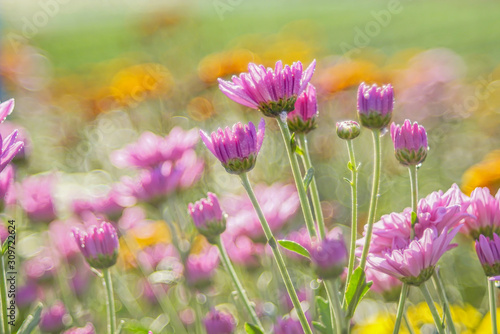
x=140, y=237
x=485, y=325
x=466, y=320
x=137, y=83
x=483, y=174
x=225, y=63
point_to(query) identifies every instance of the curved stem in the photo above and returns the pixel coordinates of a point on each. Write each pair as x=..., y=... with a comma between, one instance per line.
x=239, y=288
x=314, y=187
x=4, y=301
x=438, y=283
x=493, y=306
x=110, y=301
x=408, y=324
x=377, y=157
x=277, y=255
x=414, y=195
x=401, y=308
x=354, y=210
x=432, y=308
x=304, y=202
x=333, y=292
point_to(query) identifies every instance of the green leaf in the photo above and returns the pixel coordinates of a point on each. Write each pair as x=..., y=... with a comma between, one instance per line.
x=347, y=180
x=252, y=329
x=414, y=218
x=319, y=327
x=356, y=291
x=325, y=314
x=350, y=166
x=294, y=247
x=5, y=245
x=308, y=178
x=31, y=321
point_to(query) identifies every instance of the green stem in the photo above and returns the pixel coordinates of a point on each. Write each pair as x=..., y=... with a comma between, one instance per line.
x=277, y=255
x=110, y=301
x=3, y=291
x=306, y=157
x=333, y=292
x=199, y=316
x=493, y=306
x=354, y=210
x=408, y=324
x=377, y=163
x=438, y=283
x=304, y=202
x=432, y=308
x=401, y=308
x=414, y=195
x=239, y=288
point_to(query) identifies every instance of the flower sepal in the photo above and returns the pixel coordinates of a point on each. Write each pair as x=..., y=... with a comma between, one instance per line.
x=298, y=125
x=238, y=166
x=275, y=108
x=425, y=275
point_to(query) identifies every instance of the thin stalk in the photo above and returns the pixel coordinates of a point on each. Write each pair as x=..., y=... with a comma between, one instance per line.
x=277, y=255
x=432, y=308
x=318, y=213
x=3, y=291
x=110, y=301
x=237, y=284
x=333, y=292
x=199, y=316
x=304, y=202
x=414, y=195
x=401, y=308
x=438, y=283
x=408, y=324
x=354, y=210
x=493, y=306
x=377, y=164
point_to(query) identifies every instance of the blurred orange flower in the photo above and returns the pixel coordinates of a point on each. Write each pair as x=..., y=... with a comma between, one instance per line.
x=225, y=63
x=483, y=174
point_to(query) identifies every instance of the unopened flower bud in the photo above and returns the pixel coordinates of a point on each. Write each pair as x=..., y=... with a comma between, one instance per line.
x=329, y=257
x=348, y=130
x=208, y=217
x=410, y=143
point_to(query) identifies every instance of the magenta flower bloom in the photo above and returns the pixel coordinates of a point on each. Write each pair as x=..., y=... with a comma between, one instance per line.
x=99, y=245
x=290, y=325
x=155, y=184
x=88, y=329
x=279, y=202
x=150, y=150
x=329, y=257
x=36, y=197
x=9, y=146
x=208, y=217
x=111, y=203
x=218, y=322
x=22, y=135
x=303, y=118
x=200, y=268
x=242, y=250
x=348, y=130
x=236, y=148
x=26, y=294
x=488, y=252
x=375, y=105
x=485, y=209
x=410, y=143
x=51, y=320
x=414, y=263
x=270, y=91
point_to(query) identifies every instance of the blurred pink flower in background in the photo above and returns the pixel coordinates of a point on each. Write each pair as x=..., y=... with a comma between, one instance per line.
x=279, y=202
x=52, y=318
x=200, y=268
x=36, y=197
x=7, y=188
x=151, y=150
x=60, y=233
x=242, y=250
x=290, y=325
x=87, y=329
x=27, y=294
x=112, y=203
x=382, y=283
x=41, y=267
x=218, y=322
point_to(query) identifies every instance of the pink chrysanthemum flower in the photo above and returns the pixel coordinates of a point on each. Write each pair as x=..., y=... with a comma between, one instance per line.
x=414, y=263
x=52, y=318
x=486, y=211
x=488, y=252
x=410, y=143
x=151, y=150
x=375, y=105
x=99, y=245
x=200, y=268
x=270, y=91
x=236, y=148
x=218, y=322
x=37, y=197
x=7, y=189
x=303, y=118
x=9, y=146
x=329, y=257
x=208, y=217
x=290, y=324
